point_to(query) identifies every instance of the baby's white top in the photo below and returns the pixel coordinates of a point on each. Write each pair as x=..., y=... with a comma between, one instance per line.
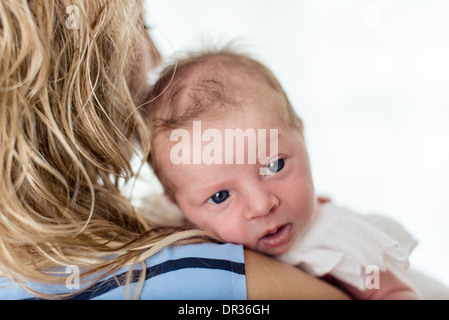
x=348, y=245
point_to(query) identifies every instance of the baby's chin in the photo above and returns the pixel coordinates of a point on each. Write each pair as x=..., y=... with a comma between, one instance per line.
x=272, y=252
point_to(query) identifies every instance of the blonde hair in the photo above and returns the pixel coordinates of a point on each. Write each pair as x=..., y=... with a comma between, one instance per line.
x=201, y=84
x=68, y=126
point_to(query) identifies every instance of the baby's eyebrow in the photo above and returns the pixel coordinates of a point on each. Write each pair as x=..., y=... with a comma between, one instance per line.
x=271, y=149
x=207, y=189
x=200, y=190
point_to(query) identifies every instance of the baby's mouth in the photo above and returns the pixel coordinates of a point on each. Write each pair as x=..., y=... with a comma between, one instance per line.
x=277, y=237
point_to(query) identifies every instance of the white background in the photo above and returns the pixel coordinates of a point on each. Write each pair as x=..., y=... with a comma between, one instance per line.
x=370, y=80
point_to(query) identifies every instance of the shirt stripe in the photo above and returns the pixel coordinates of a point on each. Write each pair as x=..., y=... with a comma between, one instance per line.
x=110, y=284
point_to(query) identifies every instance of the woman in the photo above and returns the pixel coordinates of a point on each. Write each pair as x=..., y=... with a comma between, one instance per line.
x=68, y=126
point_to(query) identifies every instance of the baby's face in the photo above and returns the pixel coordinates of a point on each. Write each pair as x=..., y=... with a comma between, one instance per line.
x=262, y=205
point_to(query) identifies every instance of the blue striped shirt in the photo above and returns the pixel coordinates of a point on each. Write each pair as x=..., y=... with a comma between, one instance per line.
x=185, y=272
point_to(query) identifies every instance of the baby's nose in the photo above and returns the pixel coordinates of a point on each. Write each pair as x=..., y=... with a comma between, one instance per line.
x=261, y=203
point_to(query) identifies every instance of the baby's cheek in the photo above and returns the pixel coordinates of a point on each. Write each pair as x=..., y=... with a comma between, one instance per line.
x=300, y=201
x=234, y=234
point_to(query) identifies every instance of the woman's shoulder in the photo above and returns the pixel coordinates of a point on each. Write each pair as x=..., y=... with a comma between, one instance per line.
x=193, y=271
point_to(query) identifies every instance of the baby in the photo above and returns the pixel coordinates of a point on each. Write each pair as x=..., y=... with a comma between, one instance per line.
x=229, y=150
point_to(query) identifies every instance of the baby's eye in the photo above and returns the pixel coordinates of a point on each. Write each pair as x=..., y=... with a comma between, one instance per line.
x=276, y=166
x=219, y=197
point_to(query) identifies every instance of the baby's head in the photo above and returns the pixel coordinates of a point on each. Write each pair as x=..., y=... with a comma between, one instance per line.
x=228, y=148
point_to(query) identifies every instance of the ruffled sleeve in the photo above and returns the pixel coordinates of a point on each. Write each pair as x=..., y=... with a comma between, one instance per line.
x=344, y=244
